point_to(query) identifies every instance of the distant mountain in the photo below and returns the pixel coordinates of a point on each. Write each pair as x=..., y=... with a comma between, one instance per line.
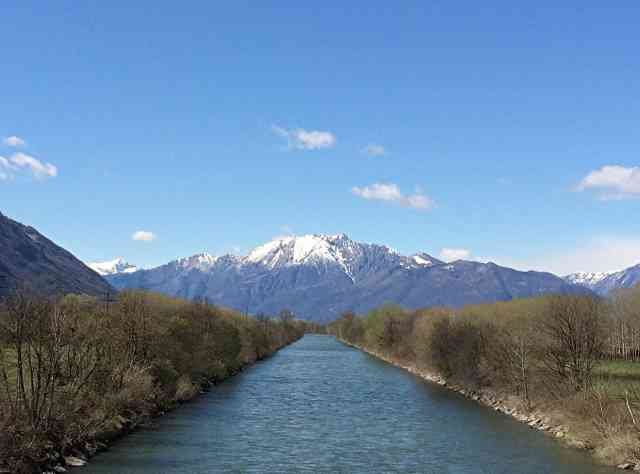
x=321, y=276
x=587, y=279
x=605, y=283
x=112, y=267
x=29, y=258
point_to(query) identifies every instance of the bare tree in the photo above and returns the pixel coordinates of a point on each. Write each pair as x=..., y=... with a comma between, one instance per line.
x=572, y=339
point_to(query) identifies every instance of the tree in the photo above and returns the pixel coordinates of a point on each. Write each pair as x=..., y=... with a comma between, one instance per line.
x=572, y=339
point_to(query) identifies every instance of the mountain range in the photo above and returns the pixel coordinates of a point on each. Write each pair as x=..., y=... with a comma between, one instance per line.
x=321, y=276
x=605, y=283
x=27, y=258
x=316, y=276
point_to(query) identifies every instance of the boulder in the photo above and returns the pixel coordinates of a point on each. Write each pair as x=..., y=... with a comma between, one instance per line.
x=74, y=461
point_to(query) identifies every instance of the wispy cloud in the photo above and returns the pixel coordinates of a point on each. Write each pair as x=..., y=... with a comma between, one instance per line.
x=144, y=236
x=21, y=161
x=390, y=192
x=13, y=141
x=373, y=149
x=302, y=139
x=451, y=254
x=613, y=182
x=39, y=169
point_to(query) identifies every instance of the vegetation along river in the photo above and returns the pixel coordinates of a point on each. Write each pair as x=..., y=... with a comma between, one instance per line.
x=322, y=407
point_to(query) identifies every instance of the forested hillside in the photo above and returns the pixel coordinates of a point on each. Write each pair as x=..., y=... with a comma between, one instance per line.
x=27, y=258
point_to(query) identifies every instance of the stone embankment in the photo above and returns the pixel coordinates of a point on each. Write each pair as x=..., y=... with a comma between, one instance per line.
x=510, y=406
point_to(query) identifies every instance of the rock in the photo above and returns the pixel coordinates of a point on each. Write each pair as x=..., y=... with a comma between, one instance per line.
x=74, y=461
x=627, y=466
x=574, y=443
x=59, y=468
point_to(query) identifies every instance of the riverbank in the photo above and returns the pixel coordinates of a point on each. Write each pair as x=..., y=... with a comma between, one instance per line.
x=76, y=375
x=79, y=455
x=511, y=406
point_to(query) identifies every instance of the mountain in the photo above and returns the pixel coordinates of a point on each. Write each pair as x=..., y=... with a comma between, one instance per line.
x=589, y=280
x=29, y=258
x=320, y=276
x=605, y=283
x=112, y=267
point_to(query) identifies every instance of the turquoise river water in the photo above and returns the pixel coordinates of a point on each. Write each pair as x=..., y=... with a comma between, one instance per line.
x=319, y=406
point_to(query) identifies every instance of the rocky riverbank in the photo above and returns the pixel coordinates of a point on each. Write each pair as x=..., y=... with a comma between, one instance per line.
x=535, y=419
x=79, y=455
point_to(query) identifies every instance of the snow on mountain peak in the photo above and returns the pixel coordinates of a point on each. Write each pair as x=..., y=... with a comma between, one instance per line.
x=588, y=279
x=201, y=261
x=332, y=250
x=292, y=250
x=112, y=267
x=421, y=260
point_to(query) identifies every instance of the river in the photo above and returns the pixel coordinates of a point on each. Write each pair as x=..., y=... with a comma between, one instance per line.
x=319, y=406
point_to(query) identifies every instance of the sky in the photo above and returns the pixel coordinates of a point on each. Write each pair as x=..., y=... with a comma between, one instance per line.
x=503, y=131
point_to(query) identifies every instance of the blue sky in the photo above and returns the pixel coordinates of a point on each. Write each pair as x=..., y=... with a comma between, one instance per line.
x=506, y=132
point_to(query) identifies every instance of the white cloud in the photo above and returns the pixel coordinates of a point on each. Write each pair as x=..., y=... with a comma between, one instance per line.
x=391, y=193
x=451, y=255
x=13, y=141
x=606, y=253
x=19, y=161
x=613, y=182
x=302, y=139
x=144, y=236
x=39, y=169
x=373, y=149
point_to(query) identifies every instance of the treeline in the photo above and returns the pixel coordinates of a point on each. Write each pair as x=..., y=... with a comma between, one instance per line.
x=75, y=371
x=571, y=356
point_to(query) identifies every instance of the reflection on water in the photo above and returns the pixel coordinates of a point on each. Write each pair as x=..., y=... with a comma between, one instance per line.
x=321, y=407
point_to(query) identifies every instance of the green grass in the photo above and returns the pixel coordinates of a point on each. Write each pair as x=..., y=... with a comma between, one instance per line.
x=619, y=369
x=618, y=377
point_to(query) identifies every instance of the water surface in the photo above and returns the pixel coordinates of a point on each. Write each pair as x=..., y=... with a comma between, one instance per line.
x=318, y=406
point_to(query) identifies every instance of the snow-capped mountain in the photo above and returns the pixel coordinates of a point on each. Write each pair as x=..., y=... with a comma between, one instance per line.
x=624, y=279
x=112, y=267
x=201, y=261
x=588, y=279
x=331, y=251
x=605, y=283
x=321, y=276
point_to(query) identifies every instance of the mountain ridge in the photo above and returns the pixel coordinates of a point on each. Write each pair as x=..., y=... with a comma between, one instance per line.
x=605, y=283
x=29, y=259
x=318, y=276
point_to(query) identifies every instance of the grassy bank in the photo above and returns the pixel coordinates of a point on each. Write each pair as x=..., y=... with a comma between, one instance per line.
x=552, y=362
x=76, y=373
